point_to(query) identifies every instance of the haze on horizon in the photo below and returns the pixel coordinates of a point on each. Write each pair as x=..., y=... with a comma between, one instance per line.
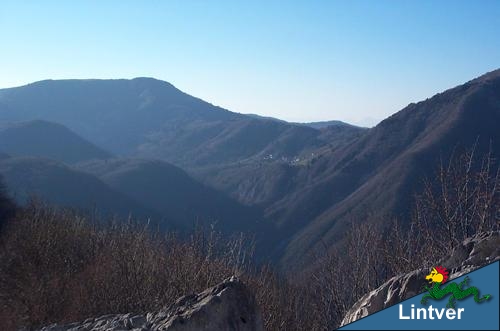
x=356, y=61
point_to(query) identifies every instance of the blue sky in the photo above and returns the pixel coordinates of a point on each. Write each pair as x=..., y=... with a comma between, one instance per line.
x=357, y=61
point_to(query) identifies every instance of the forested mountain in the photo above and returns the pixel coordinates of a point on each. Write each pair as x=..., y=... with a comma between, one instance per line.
x=376, y=177
x=151, y=118
x=295, y=185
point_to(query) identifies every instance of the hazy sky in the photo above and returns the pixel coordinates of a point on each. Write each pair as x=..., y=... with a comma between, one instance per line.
x=357, y=61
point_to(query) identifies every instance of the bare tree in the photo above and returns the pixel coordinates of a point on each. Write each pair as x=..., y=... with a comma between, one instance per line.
x=461, y=201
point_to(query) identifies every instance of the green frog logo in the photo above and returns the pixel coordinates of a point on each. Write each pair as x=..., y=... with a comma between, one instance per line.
x=438, y=277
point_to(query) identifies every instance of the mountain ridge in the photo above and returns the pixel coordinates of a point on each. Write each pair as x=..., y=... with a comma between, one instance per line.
x=159, y=120
x=309, y=183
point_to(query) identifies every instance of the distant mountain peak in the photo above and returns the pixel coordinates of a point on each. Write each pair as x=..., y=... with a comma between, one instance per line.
x=314, y=125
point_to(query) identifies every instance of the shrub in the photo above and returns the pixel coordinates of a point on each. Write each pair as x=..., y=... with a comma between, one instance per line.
x=57, y=266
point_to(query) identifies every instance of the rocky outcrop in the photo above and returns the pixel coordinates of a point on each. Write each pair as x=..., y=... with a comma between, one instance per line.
x=472, y=254
x=228, y=306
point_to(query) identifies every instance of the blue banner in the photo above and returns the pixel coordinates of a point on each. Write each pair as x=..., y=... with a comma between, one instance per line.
x=467, y=314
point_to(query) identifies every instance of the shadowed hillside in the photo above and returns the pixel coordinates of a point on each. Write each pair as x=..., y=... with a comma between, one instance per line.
x=378, y=174
x=171, y=192
x=56, y=183
x=7, y=207
x=45, y=139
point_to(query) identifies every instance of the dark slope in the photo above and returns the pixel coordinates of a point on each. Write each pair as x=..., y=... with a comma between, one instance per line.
x=378, y=174
x=151, y=118
x=7, y=206
x=171, y=192
x=45, y=139
x=56, y=183
x=266, y=180
x=252, y=183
